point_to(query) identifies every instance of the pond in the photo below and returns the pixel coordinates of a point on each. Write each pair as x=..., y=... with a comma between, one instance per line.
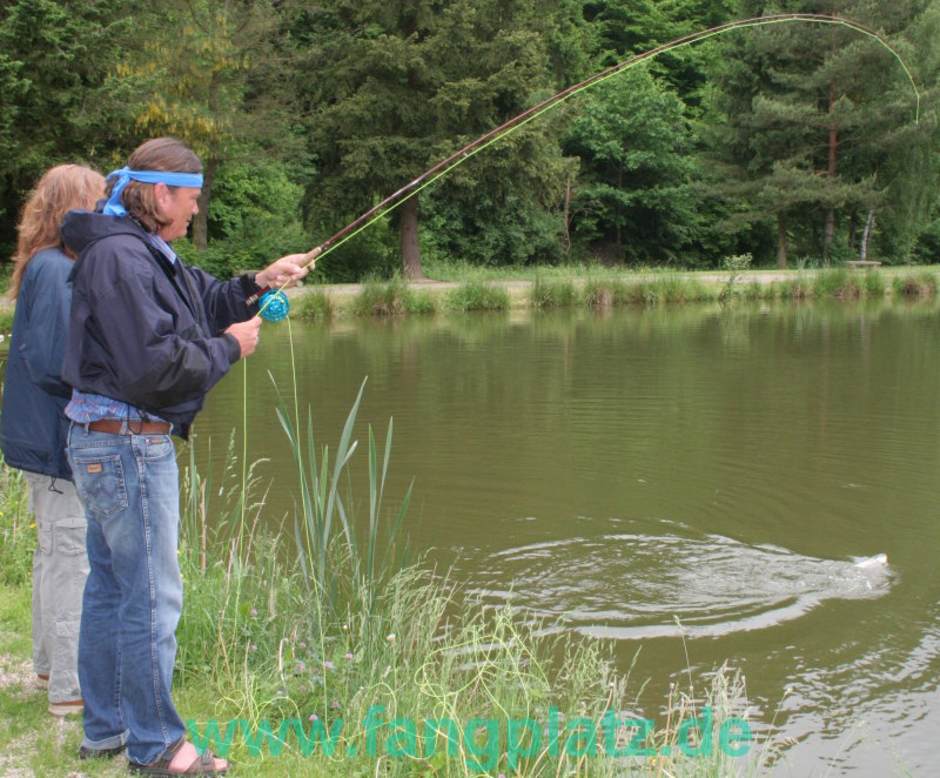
x=701, y=484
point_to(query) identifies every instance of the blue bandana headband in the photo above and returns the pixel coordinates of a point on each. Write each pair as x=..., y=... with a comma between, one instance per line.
x=114, y=206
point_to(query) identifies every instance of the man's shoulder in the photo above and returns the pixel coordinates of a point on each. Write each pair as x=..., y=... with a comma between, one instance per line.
x=115, y=254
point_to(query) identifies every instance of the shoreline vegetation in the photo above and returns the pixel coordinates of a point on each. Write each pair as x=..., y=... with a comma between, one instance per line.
x=474, y=289
x=458, y=288
x=328, y=618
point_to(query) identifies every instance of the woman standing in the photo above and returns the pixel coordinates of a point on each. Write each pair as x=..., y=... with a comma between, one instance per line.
x=33, y=427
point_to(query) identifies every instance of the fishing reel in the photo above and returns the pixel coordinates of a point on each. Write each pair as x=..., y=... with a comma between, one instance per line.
x=274, y=306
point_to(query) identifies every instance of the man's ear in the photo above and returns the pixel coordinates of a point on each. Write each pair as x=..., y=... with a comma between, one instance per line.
x=162, y=192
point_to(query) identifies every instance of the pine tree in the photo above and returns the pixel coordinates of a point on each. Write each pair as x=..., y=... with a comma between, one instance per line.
x=401, y=85
x=812, y=118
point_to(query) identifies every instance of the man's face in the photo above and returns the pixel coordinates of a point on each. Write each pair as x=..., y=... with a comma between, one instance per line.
x=179, y=206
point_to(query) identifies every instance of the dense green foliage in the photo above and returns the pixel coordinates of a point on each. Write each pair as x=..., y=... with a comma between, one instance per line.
x=797, y=144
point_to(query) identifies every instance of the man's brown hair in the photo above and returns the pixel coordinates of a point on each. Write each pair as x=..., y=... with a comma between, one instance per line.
x=166, y=154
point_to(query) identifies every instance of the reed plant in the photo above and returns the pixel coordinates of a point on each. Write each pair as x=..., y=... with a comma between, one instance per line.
x=381, y=299
x=675, y=289
x=604, y=293
x=478, y=296
x=837, y=283
x=420, y=303
x=799, y=288
x=315, y=306
x=391, y=298
x=916, y=285
x=553, y=294
x=873, y=284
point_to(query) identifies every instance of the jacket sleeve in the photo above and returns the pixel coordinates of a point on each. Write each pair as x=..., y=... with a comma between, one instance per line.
x=224, y=300
x=49, y=298
x=156, y=365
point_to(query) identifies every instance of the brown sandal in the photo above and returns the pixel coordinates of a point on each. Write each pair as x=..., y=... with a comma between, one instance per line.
x=202, y=764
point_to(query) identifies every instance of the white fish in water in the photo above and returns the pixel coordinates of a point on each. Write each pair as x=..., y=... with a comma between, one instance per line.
x=878, y=560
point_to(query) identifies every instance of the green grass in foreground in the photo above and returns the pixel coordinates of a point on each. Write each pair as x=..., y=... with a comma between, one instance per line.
x=325, y=622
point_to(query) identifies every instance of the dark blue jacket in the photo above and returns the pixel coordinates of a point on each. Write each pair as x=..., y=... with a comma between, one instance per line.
x=142, y=329
x=33, y=426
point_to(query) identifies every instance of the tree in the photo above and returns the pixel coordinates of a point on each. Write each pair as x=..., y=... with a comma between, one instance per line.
x=58, y=100
x=400, y=85
x=636, y=169
x=810, y=121
x=207, y=73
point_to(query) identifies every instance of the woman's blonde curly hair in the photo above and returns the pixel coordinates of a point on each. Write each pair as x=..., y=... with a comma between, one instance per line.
x=61, y=189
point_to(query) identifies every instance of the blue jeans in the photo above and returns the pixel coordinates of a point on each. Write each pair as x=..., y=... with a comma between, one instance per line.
x=129, y=485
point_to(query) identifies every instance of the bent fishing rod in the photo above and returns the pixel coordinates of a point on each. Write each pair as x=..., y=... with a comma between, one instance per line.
x=274, y=303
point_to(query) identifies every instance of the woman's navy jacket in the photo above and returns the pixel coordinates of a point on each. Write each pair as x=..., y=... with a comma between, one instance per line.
x=143, y=329
x=33, y=426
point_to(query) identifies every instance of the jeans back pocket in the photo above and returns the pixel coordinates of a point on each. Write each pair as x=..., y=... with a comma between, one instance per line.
x=100, y=483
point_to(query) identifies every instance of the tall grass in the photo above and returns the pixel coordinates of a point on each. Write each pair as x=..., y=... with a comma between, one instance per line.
x=17, y=528
x=553, y=294
x=315, y=306
x=669, y=288
x=371, y=558
x=838, y=283
x=336, y=624
x=391, y=298
x=873, y=284
x=331, y=624
x=414, y=647
x=799, y=288
x=918, y=285
x=478, y=296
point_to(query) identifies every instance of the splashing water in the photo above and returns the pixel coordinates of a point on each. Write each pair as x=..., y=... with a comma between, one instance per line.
x=637, y=585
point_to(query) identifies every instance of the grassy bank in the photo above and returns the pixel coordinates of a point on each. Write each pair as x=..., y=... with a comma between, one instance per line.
x=602, y=289
x=334, y=654
x=460, y=289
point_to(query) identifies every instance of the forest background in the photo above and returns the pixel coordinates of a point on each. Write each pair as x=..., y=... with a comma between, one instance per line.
x=798, y=144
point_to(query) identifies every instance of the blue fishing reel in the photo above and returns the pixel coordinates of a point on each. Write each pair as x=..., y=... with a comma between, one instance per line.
x=274, y=306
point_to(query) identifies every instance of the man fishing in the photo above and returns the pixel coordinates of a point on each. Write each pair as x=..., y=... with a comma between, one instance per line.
x=148, y=338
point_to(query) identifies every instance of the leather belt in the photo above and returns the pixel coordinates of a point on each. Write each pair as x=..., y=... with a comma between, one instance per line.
x=134, y=427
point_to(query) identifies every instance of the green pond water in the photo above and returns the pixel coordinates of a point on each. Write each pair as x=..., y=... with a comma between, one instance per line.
x=629, y=471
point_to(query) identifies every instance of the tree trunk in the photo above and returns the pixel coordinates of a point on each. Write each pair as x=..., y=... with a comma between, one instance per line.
x=781, y=242
x=201, y=219
x=568, y=216
x=866, y=235
x=619, y=230
x=410, y=249
x=831, y=171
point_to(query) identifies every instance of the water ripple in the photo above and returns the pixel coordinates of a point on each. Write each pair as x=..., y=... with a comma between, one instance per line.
x=635, y=585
